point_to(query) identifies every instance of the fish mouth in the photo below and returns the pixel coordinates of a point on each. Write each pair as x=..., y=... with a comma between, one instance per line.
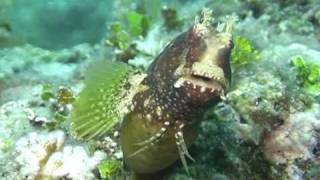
x=202, y=83
x=202, y=78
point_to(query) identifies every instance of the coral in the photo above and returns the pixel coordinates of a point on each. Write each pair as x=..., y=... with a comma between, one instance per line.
x=260, y=101
x=40, y=155
x=34, y=150
x=294, y=144
x=72, y=162
x=296, y=138
x=296, y=23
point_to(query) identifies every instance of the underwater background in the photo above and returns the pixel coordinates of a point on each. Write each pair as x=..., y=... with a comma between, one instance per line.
x=266, y=127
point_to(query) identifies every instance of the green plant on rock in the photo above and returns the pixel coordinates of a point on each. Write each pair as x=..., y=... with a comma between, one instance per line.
x=58, y=101
x=244, y=52
x=171, y=18
x=58, y=120
x=118, y=38
x=138, y=24
x=6, y=145
x=308, y=74
x=65, y=96
x=122, y=34
x=47, y=92
x=109, y=168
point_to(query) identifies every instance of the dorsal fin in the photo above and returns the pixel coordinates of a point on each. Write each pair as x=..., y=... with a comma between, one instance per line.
x=95, y=110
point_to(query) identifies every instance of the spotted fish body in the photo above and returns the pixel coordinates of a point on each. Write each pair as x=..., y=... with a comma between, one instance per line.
x=187, y=78
x=163, y=108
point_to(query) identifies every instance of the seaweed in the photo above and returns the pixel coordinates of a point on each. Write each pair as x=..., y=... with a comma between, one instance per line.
x=58, y=100
x=138, y=24
x=308, y=74
x=244, y=52
x=171, y=19
x=47, y=92
x=123, y=33
x=118, y=37
x=109, y=168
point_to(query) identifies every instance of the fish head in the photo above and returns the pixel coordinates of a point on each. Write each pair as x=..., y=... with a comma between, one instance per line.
x=196, y=64
x=205, y=74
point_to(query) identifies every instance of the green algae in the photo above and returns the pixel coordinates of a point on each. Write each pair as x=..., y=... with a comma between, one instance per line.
x=118, y=37
x=244, y=52
x=123, y=33
x=47, y=92
x=308, y=74
x=65, y=96
x=138, y=24
x=109, y=168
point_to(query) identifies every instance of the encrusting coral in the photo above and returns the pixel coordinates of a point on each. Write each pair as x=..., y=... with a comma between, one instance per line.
x=296, y=138
x=34, y=150
x=255, y=100
x=42, y=155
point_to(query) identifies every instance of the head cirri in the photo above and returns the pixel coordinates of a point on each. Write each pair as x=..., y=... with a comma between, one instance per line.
x=197, y=63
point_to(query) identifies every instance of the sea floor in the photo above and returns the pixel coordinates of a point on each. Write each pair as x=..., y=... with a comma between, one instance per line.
x=267, y=128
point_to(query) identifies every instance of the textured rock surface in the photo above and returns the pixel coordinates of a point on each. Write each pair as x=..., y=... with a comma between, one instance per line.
x=268, y=127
